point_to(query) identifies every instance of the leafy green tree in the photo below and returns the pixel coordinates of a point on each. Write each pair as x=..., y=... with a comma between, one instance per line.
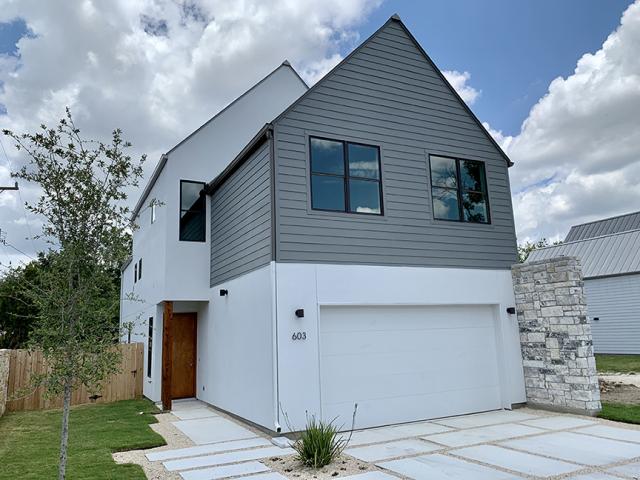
x=525, y=249
x=85, y=216
x=17, y=310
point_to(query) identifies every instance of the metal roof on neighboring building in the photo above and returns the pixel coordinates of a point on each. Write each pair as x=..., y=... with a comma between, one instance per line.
x=606, y=226
x=615, y=254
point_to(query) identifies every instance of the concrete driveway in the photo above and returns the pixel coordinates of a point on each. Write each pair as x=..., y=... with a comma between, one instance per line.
x=496, y=445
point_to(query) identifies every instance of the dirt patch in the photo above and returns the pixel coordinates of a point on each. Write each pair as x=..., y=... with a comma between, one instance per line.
x=290, y=467
x=615, y=392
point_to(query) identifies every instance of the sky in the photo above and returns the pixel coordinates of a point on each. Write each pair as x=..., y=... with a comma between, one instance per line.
x=556, y=83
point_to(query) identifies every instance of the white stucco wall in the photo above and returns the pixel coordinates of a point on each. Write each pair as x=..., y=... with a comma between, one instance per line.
x=310, y=286
x=235, y=348
x=175, y=270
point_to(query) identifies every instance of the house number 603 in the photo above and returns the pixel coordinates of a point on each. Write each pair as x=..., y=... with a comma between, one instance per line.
x=299, y=336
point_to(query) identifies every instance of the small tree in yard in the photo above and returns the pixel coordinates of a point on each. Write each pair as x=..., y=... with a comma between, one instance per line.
x=83, y=187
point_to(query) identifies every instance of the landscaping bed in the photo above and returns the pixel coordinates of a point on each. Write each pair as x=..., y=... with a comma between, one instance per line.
x=30, y=441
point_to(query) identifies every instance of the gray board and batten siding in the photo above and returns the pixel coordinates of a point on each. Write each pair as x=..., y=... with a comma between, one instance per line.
x=241, y=218
x=387, y=93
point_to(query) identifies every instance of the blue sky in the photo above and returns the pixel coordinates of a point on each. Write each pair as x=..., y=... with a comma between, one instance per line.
x=512, y=49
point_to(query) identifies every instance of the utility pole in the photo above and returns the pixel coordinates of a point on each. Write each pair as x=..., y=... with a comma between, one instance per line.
x=15, y=187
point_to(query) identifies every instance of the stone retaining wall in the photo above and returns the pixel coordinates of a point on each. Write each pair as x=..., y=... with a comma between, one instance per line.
x=555, y=336
x=4, y=379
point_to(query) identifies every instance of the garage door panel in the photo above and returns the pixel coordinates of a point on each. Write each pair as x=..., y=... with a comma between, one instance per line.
x=394, y=318
x=360, y=342
x=416, y=363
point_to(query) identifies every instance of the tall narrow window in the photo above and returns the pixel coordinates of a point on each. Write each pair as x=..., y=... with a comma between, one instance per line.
x=192, y=211
x=153, y=211
x=135, y=272
x=139, y=269
x=345, y=177
x=459, y=190
x=149, y=347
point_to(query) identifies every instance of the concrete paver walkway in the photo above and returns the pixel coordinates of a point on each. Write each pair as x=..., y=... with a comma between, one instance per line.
x=500, y=445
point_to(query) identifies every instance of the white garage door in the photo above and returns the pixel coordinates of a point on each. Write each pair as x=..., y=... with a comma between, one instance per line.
x=402, y=364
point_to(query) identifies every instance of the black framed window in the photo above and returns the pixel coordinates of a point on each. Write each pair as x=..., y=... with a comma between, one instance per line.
x=135, y=272
x=345, y=177
x=192, y=211
x=149, y=347
x=139, y=269
x=459, y=190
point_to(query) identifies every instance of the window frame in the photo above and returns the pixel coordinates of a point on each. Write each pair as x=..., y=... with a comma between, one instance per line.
x=460, y=190
x=181, y=210
x=346, y=177
x=150, y=347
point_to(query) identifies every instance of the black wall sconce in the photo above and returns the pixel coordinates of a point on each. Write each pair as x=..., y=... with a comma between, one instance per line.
x=224, y=292
x=511, y=310
x=300, y=313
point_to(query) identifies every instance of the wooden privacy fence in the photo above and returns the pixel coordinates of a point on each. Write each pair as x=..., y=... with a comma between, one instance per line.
x=122, y=386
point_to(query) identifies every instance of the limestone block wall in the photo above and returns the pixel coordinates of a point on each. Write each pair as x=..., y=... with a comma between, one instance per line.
x=555, y=336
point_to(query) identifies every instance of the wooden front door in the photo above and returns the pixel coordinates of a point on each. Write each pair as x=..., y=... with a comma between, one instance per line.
x=183, y=364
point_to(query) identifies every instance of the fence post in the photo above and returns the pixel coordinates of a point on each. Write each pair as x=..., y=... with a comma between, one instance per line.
x=4, y=379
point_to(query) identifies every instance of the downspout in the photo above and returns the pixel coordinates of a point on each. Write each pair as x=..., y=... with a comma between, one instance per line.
x=274, y=282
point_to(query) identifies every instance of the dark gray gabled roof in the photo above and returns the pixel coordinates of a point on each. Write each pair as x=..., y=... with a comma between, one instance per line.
x=608, y=255
x=606, y=226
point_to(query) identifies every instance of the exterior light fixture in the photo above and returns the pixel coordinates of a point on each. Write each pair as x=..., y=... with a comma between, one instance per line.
x=511, y=310
x=300, y=313
x=224, y=292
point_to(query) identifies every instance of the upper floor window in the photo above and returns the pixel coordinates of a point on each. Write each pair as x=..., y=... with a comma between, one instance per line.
x=345, y=177
x=192, y=211
x=459, y=190
x=139, y=269
x=153, y=211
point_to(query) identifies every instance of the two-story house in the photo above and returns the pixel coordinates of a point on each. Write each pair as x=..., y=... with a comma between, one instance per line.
x=308, y=250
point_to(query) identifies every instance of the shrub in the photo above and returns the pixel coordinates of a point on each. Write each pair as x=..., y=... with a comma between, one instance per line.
x=319, y=444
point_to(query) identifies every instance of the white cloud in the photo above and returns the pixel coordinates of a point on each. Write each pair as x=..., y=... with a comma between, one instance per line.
x=459, y=82
x=155, y=68
x=577, y=157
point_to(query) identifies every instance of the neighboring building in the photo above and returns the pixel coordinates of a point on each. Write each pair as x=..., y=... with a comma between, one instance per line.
x=356, y=249
x=609, y=251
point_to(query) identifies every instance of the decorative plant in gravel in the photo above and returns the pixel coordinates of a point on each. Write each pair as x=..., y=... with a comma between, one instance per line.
x=319, y=444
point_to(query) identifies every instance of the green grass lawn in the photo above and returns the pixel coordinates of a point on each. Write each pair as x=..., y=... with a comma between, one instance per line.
x=30, y=441
x=618, y=363
x=620, y=412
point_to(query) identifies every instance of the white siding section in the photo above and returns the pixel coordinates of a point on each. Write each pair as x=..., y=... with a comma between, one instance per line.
x=235, y=348
x=317, y=286
x=615, y=301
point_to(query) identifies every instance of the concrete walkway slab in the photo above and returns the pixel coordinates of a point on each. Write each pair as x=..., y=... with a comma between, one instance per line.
x=399, y=448
x=463, y=438
x=418, y=429
x=558, y=422
x=265, y=476
x=519, y=462
x=192, y=413
x=593, y=476
x=225, y=458
x=614, y=433
x=225, y=471
x=443, y=467
x=213, y=430
x=484, y=419
x=631, y=470
x=573, y=447
x=377, y=475
x=207, y=449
